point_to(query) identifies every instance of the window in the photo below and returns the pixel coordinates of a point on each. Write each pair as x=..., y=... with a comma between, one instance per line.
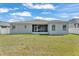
x=13, y=27
x=53, y=27
x=64, y=27
x=75, y=25
x=78, y=25
x=25, y=26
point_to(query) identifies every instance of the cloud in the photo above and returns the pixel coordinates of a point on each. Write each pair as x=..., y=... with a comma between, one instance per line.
x=40, y=6
x=51, y=19
x=68, y=8
x=25, y=13
x=47, y=12
x=15, y=20
x=63, y=15
x=72, y=14
x=13, y=8
x=76, y=17
x=67, y=15
x=38, y=17
x=3, y=10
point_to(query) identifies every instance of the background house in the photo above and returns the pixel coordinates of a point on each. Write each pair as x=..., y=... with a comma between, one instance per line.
x=74, y=26
x=4, y=28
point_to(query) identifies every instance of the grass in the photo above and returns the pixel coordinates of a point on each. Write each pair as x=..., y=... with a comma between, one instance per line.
x=39, y=45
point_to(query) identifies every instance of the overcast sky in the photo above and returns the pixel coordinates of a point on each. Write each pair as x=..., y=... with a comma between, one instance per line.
x=28, y=11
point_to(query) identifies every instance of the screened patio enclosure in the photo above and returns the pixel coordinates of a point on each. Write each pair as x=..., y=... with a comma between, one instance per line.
x=39, y=28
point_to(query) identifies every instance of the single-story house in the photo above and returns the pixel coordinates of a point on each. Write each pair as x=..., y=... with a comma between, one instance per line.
x=40, y=27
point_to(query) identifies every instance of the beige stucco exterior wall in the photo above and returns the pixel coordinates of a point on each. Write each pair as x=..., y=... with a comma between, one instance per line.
x=58, y=28
x=20, y=28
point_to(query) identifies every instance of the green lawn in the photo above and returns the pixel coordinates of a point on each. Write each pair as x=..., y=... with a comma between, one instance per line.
x=39, y=45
